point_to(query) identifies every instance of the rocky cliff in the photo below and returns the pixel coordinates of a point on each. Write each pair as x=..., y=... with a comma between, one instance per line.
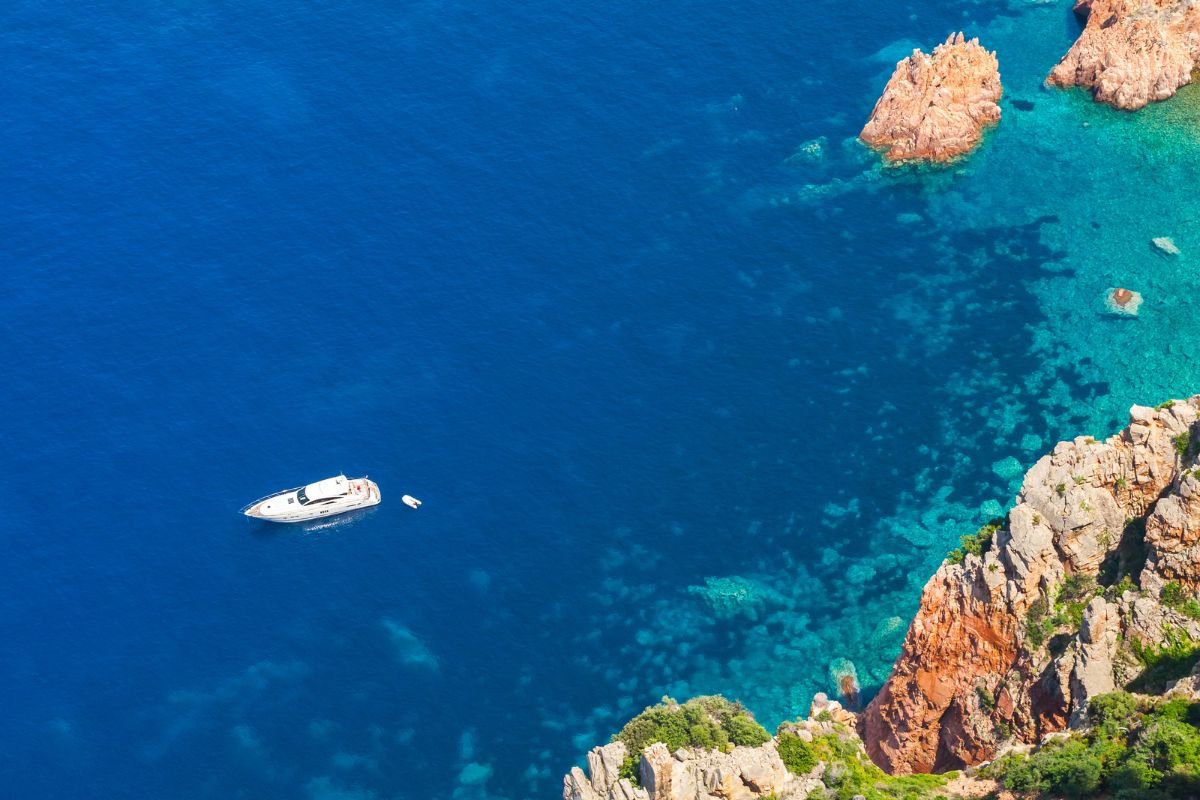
x=1087, y=587
x=1132, y=52
x=1010, y=643
x=935, y=107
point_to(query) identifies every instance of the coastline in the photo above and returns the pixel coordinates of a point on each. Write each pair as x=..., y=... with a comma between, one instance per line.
x=1067, y=139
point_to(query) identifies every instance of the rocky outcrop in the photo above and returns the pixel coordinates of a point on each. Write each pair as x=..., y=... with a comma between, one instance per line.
x=1095, y=650
x=740, y=773
x=602, y=780
x=1132, y=52
x=935, y=107
x=1173, y=539
x=744, y=773
x=995, y=652
x=1124, y=302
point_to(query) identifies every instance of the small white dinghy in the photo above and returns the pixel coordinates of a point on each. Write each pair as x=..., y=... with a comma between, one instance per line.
x=318, y=500
x=411, y=501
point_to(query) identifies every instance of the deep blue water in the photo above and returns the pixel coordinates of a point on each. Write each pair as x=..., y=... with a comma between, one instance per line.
x=531, y=263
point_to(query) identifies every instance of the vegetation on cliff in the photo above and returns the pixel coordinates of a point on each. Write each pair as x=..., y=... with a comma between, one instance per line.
x=976, y=543
x=1136, y=749
x=710, y=722
x=1172, y=595
x=796, y=754
x=1066, y=613
x=849, y=773
x=1170, y=660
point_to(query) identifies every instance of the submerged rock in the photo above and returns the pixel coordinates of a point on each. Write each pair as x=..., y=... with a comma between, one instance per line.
x=887, y=629
x=1132, y=52
x=1124, y=301
x=809, y=152
x=935, y=107
x=1165, y=244
x=845, y=675
x=733, y=596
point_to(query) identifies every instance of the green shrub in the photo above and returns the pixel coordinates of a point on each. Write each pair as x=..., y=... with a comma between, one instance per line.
x=744, y=731
x=1119, y=588
x=1170, y=661
x=1133, y=780
x=797, y=755
x=1077, y=587
x=1177, y=708
x=1132, y=752
x=977, y=543
x=1175, y=596
x=1167, y=744
x=1176, y=643
x=1182, y=442
x=1038, y=626
x=1172, y=594
x=1017, y=773
x=849, y=773
x=1067, y=768
x=1073, y=596
x=1110, y=712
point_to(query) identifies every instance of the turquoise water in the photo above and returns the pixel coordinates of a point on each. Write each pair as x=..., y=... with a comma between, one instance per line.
x=697, y=395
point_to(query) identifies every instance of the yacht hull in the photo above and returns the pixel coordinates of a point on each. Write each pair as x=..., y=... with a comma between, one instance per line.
x=291, y=505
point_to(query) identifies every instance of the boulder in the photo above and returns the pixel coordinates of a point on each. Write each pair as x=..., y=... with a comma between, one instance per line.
x=603, y=780
x=1132, y=52
x=935, y=107
x=1123, y=301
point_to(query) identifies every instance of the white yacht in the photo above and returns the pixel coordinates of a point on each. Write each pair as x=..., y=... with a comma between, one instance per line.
x=316, y=500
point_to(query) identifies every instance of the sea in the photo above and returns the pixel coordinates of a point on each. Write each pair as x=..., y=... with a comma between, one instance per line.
x=695, y=392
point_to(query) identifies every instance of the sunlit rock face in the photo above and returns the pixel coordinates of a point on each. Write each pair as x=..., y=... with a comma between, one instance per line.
x=1132, y=52
x=743, y=773
x=990, y=656
x=935, y=107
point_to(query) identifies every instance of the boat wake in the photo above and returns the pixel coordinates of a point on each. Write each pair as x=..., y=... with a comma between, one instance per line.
x=340, y=521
